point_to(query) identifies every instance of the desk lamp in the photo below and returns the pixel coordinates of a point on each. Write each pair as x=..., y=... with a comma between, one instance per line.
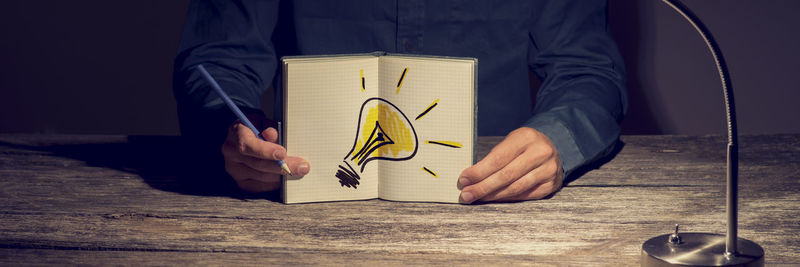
x=708, y=249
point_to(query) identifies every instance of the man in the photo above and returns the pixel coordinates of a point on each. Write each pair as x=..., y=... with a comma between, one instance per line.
x=577, y=111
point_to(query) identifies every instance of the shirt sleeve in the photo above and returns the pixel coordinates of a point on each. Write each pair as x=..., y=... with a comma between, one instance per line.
x=583, y=98
x=231, y=38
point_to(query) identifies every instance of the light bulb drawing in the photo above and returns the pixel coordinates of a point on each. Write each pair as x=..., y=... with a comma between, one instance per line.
x=383, y=132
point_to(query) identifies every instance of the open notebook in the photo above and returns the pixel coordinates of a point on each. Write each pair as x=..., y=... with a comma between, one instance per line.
x=395, y=127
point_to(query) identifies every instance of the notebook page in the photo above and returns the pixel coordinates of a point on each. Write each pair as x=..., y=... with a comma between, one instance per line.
x=438, y=97
x=323, y=100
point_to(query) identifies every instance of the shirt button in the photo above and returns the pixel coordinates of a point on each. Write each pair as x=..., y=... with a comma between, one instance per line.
x=410, y=46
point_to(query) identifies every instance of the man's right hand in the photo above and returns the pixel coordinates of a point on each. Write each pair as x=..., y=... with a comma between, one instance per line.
x=251, y=161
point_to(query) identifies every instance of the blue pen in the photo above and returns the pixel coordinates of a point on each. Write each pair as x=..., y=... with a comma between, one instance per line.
x=236, y=110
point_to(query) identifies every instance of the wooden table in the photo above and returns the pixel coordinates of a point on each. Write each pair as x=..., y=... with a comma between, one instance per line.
x=116, y=200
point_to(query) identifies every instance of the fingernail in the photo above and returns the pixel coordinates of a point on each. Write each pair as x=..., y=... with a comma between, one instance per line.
x=278, y=154
x=302, y=169
x=467, y=197
x=462, y=182
x=264, y=132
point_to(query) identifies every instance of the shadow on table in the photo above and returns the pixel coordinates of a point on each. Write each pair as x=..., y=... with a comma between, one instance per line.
x=580, y=171
x=163, y=162
x=168, y=163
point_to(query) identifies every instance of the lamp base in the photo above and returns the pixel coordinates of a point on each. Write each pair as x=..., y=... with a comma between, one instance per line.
x=699, y=249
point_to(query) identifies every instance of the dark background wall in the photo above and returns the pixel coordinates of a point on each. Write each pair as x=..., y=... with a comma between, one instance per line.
x=674, y=85
x=104, y=67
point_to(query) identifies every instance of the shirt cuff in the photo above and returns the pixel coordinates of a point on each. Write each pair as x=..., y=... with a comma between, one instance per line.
x=562, y=138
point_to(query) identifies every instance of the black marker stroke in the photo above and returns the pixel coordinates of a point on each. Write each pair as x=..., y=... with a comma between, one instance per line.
x=426, y=111
x=348, y=177
x=401, y=77
x=442, y=144
x=429, y=171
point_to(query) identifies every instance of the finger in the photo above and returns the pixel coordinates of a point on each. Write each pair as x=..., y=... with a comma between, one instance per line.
x=508, y=174
x=497, y=158
x=545, y=173
x=259, y=164
x=241, y=172
x=270, y=134
x=299, y=166
x=542, y=190
x=247, y=143
x=539, y=191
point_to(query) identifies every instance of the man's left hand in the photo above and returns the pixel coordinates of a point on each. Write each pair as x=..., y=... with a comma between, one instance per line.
x=524, y=166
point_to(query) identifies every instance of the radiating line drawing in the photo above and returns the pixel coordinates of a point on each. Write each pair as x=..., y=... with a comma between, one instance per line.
x=363, y=82
x=400, y=82
x=445, y=143
x=429, y=171
x=435, y=102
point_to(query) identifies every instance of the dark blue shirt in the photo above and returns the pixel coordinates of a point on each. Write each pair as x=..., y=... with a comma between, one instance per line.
x=579, y=106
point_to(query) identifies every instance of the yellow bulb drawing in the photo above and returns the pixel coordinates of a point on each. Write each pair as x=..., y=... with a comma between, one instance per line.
x=383, y=133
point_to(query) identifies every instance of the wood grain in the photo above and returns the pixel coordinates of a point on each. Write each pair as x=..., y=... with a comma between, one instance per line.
x=123, y=200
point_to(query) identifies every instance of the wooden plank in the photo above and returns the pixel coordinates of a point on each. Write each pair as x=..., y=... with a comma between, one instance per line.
x=284, y=257
x=100, y=199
